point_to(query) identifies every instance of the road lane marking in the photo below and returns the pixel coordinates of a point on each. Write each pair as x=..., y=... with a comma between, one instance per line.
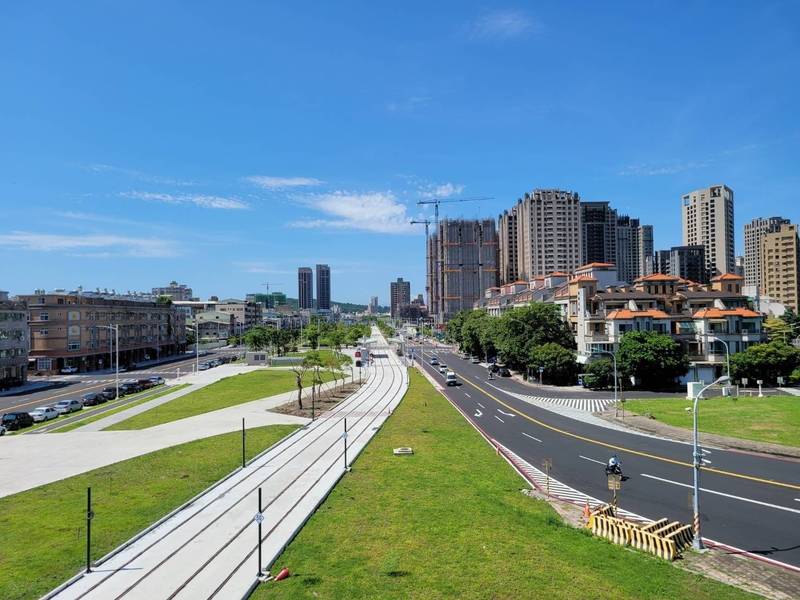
x=707, y=491
x=481, y=405
x=506, y=414
x=584, y=438
x=478, y=413
x=599, y=462
x=467, y=395
x=498, y=418
x=533, y=438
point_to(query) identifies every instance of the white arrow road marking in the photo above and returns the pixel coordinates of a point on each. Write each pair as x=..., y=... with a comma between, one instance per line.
x=478, y=413
x=707, y=491
x=498, y=418
x=599, y=462
x=533, y=438
x=506, y=414
x=481, y=405
x=705, y=462
x=467, y=395
x=704, y=451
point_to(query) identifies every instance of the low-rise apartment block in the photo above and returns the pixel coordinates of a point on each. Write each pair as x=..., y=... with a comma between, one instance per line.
x=71, y=329
x=14, y=342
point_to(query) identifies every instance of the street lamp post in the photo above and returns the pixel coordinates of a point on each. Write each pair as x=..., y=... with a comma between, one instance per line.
x=115, y=329
x=697, y=543
x=727, y=352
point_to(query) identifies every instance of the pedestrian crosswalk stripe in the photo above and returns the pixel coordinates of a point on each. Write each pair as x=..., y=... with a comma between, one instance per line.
x=584, y=404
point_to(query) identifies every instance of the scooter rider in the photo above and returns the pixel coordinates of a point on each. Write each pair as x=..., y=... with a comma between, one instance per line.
x=614, y=466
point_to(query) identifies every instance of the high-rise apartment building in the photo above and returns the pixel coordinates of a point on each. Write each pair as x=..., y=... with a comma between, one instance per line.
x=780, y=261
x=634, y=244
x=707, y=219
x=549, y=236
x=464, y=257
x=373, y=305
x=686, y=262
x=599, y=233
x=323, y=287
x=399, y=294
x=175, y=290
x=305, y=288
x=754, y=233
x=508, y=245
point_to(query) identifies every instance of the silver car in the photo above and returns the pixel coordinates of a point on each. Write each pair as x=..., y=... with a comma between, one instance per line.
x=67, y=406
x=43, y=413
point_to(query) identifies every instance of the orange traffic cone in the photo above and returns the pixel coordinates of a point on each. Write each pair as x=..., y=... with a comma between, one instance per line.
x=284, y=573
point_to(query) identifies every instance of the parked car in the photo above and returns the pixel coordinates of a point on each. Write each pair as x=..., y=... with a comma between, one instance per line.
x=129, y=388
x=109, y=393
x=494, y=368
x=69, y=370
x=145, y=384
x=158, y=380
x=450, y=378
x=43, y=413
x=504, y=372
x=475, y=360
x=93, y=399
x=65, y=407
x=2, y=429
x=203, y=367
x=17, y=420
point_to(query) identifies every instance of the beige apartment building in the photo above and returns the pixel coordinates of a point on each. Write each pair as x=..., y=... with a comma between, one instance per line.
x=549, y=237
x=508, y=244
x=70, y=329
x=780, y=253
x=754, y=233
x=707, y=219
x=14, y=342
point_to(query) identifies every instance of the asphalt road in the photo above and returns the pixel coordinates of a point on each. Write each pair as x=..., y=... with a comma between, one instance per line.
x=749, y=501
x=67, y=387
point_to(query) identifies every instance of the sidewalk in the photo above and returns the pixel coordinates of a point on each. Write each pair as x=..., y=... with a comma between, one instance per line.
x=209, y=547
x=29, y=388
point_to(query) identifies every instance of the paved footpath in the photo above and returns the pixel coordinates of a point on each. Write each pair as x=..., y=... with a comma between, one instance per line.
x=210, y=547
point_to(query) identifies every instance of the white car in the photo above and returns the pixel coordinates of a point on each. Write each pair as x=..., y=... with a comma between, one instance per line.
x=43, y=413
x=69, y=370
x=67, y=406
x=2, y=430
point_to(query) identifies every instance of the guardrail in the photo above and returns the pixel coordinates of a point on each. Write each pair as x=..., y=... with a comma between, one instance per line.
x=662, y=538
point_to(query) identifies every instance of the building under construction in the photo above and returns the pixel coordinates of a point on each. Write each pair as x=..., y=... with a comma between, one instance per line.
x=462, y=264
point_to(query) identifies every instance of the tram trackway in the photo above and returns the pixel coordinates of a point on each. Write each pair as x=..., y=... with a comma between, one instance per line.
x=210, y=545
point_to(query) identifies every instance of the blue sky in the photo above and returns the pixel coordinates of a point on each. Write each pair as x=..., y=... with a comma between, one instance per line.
x=226, y=144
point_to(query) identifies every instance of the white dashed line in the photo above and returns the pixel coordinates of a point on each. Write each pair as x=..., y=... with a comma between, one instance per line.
x=599, y=462
x=707, y=491
x=481, y=405
x=533, y=438
x=498, y=418
x=467, y=395
x=506, y=414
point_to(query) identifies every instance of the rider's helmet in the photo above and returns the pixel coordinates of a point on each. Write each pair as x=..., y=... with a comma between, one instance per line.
x=613, y=461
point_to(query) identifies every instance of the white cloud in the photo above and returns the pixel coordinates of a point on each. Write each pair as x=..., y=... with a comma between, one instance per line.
x=408, y=104
x=262, y=267
x=196, y=199
x=650, y=170
x=90, y=245
x=503, y=25
x=376, y=212
x=280, y=183
x=103, y=168
x=442, y=190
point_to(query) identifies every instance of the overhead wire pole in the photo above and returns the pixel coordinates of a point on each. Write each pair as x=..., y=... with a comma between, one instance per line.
x=440, y=259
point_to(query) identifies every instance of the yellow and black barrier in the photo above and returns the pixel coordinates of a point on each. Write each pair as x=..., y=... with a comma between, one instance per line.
x=662, y=538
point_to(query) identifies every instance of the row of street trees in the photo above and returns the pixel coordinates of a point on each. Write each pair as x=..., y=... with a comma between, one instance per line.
x=316, y=362
x=535, y=336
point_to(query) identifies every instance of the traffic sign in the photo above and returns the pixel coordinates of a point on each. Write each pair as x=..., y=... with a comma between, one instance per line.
x=614, y=481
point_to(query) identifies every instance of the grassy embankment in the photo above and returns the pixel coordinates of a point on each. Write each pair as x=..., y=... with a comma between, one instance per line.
x=450, y=522
x=227, y=392
x=42, y=531
x=774, y=419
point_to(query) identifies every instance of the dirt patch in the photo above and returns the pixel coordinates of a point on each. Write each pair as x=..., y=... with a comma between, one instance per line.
x=322, y=401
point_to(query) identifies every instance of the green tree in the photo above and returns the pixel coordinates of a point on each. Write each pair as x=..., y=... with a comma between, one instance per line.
x=453, y=330
x=257, y=338
x=654, y=359
x=523, y=329
x=765, y=361
x=599, y=374
x=559, y=363
x=472, y=328
x=312, y=335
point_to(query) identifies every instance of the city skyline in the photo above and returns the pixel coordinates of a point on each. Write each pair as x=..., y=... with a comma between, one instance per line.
x=129, y=195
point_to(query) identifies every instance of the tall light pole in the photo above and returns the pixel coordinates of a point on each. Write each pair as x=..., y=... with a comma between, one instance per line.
x=115, y=329
x=727, y=352
x=697, y=543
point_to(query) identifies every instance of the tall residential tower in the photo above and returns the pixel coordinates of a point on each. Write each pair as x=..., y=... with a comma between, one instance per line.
x=707, y=218
x=323, y=287
x=754, y=233
x=305, y=288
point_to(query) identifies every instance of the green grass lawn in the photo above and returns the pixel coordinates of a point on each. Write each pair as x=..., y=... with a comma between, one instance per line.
x=91, y=418
x=42, y=531
x=773, y=419
x=230, y=391
x=450, y=522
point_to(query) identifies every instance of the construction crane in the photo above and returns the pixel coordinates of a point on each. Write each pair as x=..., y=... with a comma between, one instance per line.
x=437, y=201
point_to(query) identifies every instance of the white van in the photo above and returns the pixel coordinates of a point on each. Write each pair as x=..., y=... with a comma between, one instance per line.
x=450, y=378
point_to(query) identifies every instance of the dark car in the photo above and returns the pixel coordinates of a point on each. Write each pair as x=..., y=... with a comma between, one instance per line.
x=504, y=372
x=145, y=384
x=494, y=368
x=109, y=393
x=129, y=388
x=17, y=420
x=93, y=399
